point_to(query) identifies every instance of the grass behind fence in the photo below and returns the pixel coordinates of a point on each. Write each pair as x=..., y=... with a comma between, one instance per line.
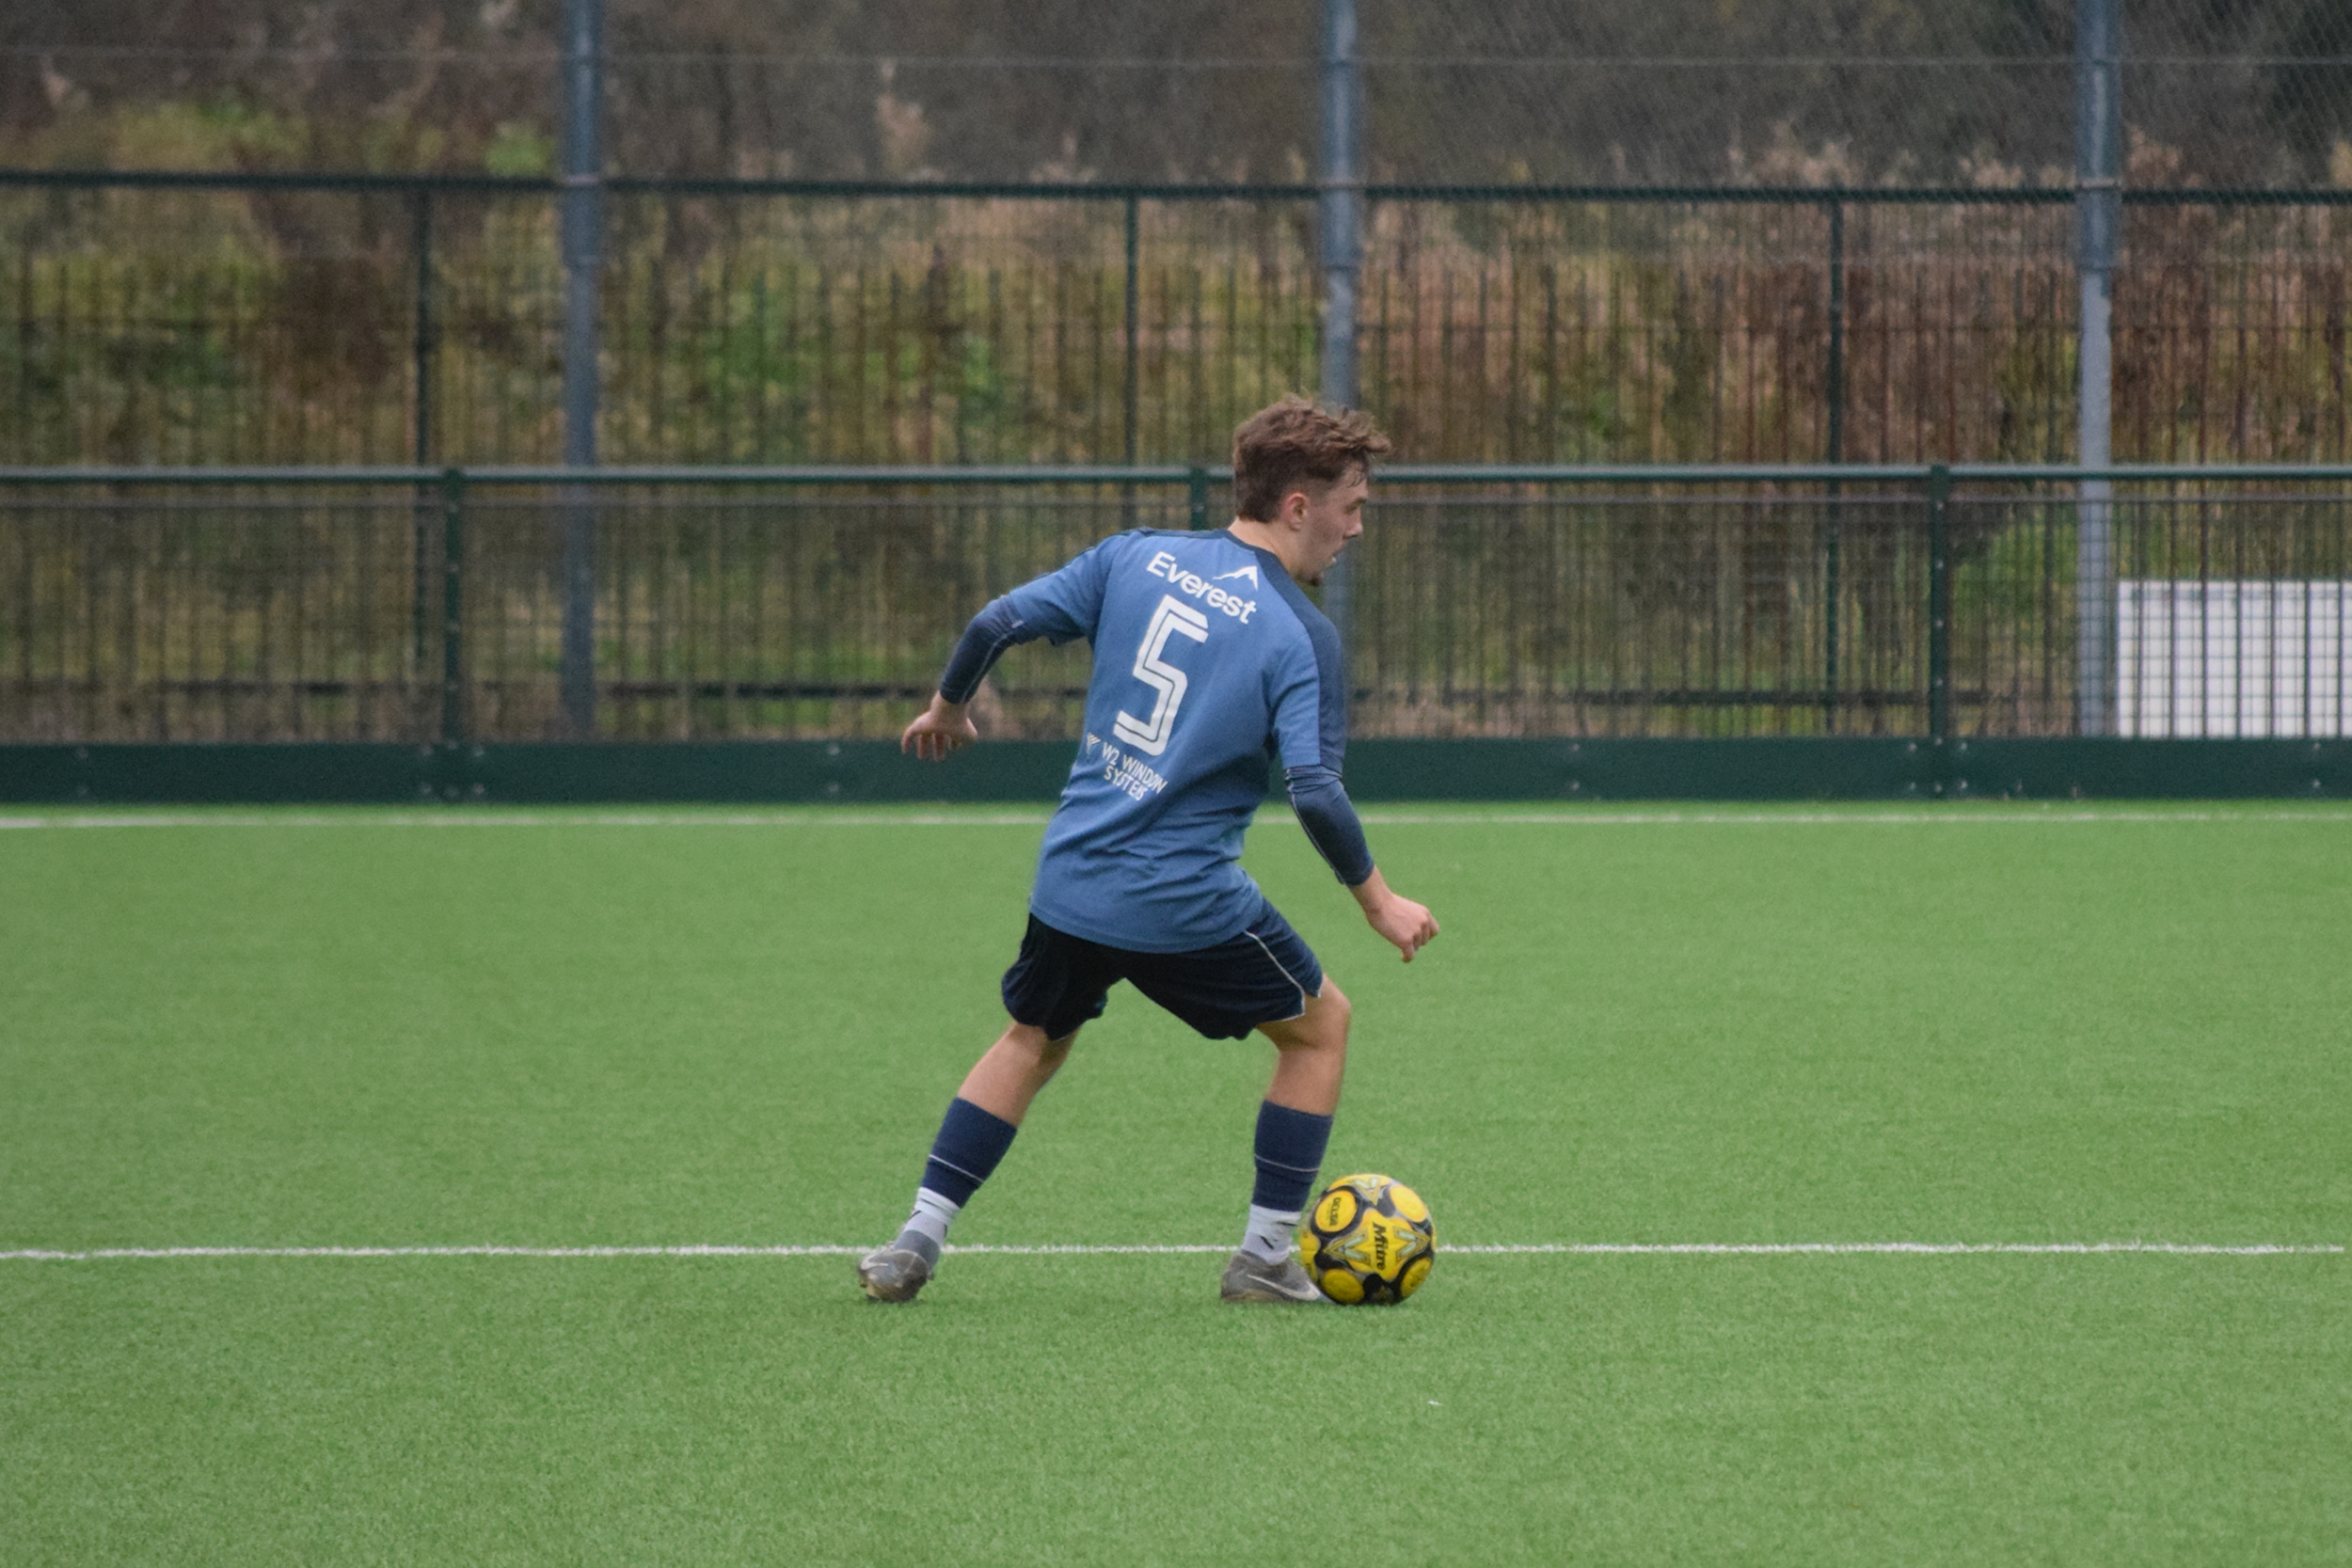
x=290, y=327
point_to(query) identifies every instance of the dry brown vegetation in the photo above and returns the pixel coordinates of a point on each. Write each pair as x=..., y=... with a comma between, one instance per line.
x=140, y=326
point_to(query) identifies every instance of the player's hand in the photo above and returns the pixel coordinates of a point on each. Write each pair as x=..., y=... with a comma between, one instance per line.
x=1407, y=926
x=942, y=728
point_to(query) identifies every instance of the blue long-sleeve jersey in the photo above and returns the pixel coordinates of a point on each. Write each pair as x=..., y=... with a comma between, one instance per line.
x=1208, y=662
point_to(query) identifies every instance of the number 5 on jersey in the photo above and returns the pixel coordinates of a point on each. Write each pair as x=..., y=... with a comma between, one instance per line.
x=1150, y=736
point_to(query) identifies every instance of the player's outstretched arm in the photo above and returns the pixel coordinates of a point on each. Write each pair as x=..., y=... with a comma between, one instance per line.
x=938, y=730
x=946, y=726
x=1405, y=924
x=1061, y=606
x=1329, y=819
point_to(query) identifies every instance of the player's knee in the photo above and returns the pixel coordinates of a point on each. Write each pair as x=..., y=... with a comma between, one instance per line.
x=1327, y=1021
x=1030, y=1041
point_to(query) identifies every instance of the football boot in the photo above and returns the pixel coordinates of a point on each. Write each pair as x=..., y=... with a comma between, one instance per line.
x=897, y=1271
x=1249, y=1279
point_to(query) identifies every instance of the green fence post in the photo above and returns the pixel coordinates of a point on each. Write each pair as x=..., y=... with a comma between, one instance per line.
x=421, y=453
x=1939, y=604
x=1132, y=398
x=452, y=605
x=1132, y=337
x=422, y=339
x=1197, y=494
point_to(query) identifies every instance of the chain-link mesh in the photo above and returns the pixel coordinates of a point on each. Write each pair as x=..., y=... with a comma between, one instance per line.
x=2237, y=94
x=1966, y=92
x=2247, y=93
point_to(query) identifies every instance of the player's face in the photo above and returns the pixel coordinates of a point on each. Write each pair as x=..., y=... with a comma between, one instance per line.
x=1333, y=517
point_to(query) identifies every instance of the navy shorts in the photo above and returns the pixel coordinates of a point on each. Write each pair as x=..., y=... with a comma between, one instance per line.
x=1262, y=976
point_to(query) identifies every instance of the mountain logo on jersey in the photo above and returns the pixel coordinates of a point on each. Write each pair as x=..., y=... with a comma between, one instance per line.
x=1249, y=571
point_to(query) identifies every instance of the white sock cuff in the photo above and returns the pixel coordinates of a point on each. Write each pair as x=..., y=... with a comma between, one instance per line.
x=1271, y=1234
x=932, y=1214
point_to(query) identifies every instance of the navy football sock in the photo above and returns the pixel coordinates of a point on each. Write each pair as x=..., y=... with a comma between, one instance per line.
x=970, y=1143
x=1289, y=1153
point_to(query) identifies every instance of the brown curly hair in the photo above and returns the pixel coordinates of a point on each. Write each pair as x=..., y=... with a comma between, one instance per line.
x=1297, y=442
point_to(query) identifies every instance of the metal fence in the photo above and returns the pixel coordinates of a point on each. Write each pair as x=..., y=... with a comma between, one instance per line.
x=422, y=606
x=298, y=320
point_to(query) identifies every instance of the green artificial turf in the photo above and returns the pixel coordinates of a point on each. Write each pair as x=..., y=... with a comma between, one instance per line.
x=1741, y=1025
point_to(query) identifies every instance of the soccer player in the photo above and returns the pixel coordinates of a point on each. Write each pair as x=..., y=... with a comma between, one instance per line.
x=1209, y=662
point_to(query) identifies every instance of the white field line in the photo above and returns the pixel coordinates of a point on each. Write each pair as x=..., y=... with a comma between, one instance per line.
x=1811, y=819
x=1706, y=1249
x=498, y=819
x=494, y=817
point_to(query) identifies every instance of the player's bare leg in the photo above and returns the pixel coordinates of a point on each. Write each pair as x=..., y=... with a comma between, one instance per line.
x=979, y=1127
x=1293, y=1126
x=1009, y=1075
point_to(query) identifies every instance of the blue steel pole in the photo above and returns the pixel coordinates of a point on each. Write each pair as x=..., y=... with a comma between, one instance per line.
x=1340, y=203
x=583, y=246
x=2099, y=216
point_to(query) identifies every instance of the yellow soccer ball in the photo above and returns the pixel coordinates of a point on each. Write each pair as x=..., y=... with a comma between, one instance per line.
x=1368, y=1240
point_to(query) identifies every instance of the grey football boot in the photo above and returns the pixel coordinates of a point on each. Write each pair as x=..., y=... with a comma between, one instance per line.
x=1249, y=1278
x=897, y=1271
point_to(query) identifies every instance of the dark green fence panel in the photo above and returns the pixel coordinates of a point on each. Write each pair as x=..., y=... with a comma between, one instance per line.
x=1032, y=771
x=261, y=612
x=425, y=607
x=1633, y=609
